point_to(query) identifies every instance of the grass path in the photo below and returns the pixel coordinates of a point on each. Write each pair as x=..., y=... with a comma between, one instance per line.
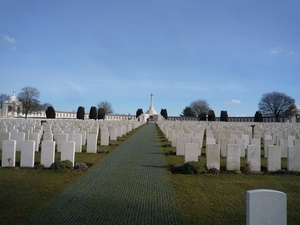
x=129, y=186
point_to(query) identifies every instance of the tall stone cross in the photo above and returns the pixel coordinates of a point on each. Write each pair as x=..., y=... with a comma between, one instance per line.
x=151, y=109
x=151, y=102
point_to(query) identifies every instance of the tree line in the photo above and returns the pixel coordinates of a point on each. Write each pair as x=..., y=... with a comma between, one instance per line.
x=104, y=108
x=201, y=110
x=274, y=104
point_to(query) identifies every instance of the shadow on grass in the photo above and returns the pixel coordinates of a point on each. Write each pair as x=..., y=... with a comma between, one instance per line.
x=155, y=153
x=154, y=166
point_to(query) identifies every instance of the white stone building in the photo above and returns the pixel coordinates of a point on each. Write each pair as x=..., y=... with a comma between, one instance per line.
x=295, y=118
x=12, y=107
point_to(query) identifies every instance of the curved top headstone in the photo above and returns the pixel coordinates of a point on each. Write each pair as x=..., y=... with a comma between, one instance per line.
x=266, y=207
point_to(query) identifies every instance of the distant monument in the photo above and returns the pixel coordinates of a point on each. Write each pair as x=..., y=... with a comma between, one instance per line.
x=151, y=110
x=151, y=114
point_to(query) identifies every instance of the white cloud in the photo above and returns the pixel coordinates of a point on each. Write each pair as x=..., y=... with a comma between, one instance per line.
x=283, y=49
x=277, y=50
x=10, y=41
x=233, y=102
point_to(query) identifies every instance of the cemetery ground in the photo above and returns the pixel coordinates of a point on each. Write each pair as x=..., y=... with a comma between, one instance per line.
x=210, y=198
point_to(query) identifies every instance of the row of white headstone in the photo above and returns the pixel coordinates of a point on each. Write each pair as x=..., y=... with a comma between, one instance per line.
x=64, y=136
x=234, y=140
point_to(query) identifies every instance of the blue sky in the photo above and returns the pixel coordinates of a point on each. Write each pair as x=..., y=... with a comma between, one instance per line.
x=78, y=53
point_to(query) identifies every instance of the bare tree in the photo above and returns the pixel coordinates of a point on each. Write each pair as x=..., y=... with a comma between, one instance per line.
x=106, y=106
x=187, y=112
x=292, y=110
x=199, y=107
x=275, y=104
x=3, y=98
x=29, y=98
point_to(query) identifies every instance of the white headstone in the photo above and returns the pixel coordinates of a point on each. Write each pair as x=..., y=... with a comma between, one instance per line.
x=266, y=207
x=180, y=142
x=28, y=153
x=213, y=156
x=246, y=138
x=255, y=142
x=224, y=143
x=104, y=138
x=12, y=129
x=241, y=143
x=124, y=130
x=173, y=137
x=129, y=127
x=233, y=157
x=210, y=141
x=233, y=136
x=220, y=136
x=26, y=132
x=274, y=157
x=293, y=159
x=290, y=137
x=112, y=133
x=267, y=142
x=59, y=138
x=257, y=136
x=277, y=139
x=3, y=130
x=290, y=142
x=119, y=131
x=268, y=137
x=9, y=153
x=4, y=136
x=83, y=134
x=191, y=152
x=283, y=143
x=68, y=151
x=77, y=138
x=48, y=153
x=253, y=157
x=35, y=137
x=199, y=142
x=47, y=137
x=296, y=142
x=91, y=143
x=19, y=138
x=209, y=135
